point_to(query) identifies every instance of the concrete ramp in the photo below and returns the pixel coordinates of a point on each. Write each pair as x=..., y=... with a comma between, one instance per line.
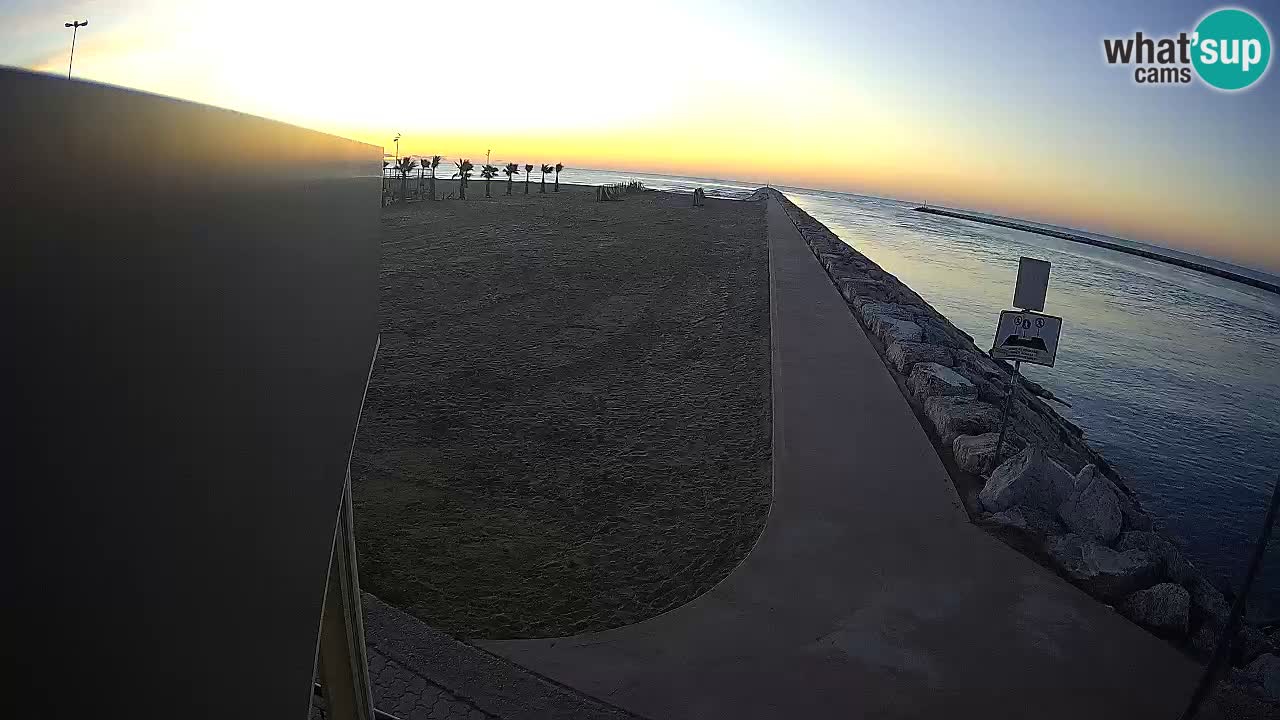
x=869, y=594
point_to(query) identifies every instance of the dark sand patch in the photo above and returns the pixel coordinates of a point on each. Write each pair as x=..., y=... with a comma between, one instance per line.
x=568, y=426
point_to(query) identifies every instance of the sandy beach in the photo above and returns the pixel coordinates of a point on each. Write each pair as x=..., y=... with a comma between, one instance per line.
x=568, y=425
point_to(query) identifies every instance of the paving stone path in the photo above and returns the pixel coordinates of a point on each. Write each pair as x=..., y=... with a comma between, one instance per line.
x=409, y=696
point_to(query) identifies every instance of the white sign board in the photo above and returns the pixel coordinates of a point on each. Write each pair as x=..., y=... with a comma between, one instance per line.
x=1027, y=337
x=1033, y=284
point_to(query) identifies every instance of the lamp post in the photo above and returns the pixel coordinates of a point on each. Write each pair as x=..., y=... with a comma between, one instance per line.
x=397, y=141
x=75, y=28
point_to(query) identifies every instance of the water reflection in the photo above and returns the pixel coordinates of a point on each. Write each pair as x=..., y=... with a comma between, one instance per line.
x=1174, y=374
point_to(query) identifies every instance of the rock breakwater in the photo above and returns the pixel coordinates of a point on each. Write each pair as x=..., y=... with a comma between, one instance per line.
x=1056, y=499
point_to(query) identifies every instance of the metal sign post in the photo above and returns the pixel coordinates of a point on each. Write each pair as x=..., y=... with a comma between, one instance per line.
x=1024, y=335
x=1004, y=414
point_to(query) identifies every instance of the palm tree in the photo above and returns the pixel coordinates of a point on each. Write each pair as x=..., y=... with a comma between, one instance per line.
x=435, y=163
x=528, y=170
x=405, y=166
x=464, y=174
x=488, y=172
x=559, y=167
x=511, y=171
x=545, y=169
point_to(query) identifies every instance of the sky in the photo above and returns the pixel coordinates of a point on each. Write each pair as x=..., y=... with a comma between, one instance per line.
x=1004, y=107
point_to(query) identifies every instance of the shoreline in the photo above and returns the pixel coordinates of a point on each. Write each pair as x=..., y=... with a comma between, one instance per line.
x=1053, y=498
x=1085, y=240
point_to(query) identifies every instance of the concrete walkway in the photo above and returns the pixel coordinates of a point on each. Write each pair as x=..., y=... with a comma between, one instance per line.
x=868, y=595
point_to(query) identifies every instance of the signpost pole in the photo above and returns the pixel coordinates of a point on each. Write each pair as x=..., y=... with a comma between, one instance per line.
x=1004, y=416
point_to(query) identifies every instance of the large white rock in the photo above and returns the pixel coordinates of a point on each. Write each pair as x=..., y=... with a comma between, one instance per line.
x=952, y=416
x=1092, y=511
x=1175, y=567
x=890, y=322
x=1031, y=479
x=1027, y=520
x=1101, y=571
x=1164, y=607
x=1134, y=518
x=903, y=355
x=931, y=379
x=973, y=452
x=891, y=330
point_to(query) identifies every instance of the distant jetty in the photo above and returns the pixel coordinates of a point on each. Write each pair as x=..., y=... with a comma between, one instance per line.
x=1189, y=264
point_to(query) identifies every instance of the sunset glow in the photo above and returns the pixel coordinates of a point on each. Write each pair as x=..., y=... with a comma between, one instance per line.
x=997, y=107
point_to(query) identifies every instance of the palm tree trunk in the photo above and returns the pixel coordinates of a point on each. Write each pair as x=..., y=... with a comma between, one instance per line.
x=542, y=184
x=510, y=179
x=433, y=183
x=462, y=187
x=526, y=183
x=557, y=187
x=486, y=188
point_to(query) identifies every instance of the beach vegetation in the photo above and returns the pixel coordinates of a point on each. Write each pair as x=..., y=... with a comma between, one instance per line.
x=435, y=163
x=465, y=168
x=488, y=172
x=511, y=170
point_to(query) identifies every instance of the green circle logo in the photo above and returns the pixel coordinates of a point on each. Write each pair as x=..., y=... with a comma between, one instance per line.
x=1232, y=49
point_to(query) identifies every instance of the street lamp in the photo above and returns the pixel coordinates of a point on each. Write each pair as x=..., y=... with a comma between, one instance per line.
x=75, y=27
x=397, y=141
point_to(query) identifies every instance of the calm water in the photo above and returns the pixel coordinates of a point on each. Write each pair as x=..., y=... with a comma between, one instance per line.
x=1173, y=374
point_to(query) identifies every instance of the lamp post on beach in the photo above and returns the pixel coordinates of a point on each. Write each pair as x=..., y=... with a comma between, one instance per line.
x=75, y=28
x=396, y=139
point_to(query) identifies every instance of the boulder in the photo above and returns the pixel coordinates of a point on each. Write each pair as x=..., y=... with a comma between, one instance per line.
x=1175, y=568
x=872, y=311
x=854, y=288
x=1164, y=608
x=903, y=355
x=1252, y=642
x=1265, y=671
x=889, y=322
x=931, y=379
x=1044, y=429
x=830, y=257
x=1134, y=517
x=891, y=330
x=1030, y=479
x=1101, y=571
x=973, y=453
x=1028, y=520
x=952, y=416
x=989, y=390
x=1207, y=602
x=1092, y=511
x=941, y=332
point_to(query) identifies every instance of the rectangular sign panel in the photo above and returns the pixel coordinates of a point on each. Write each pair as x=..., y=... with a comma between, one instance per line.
x=189, y=301
x=1033, y=284
x=1027, y=337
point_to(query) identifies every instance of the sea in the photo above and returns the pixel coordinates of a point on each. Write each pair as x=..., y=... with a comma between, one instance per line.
x=1174, y=374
